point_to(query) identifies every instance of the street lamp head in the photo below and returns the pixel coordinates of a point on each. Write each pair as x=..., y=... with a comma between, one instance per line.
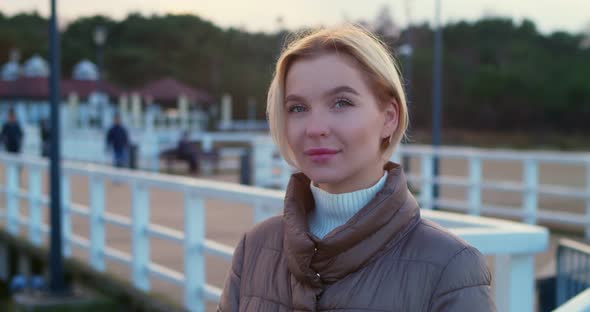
x=100, y=35
x=405, y=50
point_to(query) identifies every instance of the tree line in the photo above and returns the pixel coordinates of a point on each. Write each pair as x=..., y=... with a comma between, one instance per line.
x=498, y=74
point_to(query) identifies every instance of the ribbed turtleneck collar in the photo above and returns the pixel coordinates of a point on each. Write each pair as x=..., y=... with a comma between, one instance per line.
x=333, y=210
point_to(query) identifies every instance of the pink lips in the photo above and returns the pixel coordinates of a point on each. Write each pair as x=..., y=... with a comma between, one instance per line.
x=321, y=155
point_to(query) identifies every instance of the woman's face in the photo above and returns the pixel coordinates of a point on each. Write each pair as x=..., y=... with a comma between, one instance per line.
x=335, y=124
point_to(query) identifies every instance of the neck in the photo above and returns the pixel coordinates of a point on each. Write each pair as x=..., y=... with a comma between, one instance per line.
x=333, y=210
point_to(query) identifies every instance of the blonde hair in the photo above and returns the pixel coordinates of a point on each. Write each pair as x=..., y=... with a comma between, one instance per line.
x=374, y=60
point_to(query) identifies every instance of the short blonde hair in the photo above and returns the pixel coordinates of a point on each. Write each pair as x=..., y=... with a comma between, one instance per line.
x=374, y=60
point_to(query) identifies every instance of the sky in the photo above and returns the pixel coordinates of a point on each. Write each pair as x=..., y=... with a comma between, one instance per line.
x=263, y=15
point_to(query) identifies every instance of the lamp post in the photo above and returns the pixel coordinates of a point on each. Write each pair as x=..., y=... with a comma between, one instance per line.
x=56, y=283
x=436, y=95
x=406, y=51
x=100, y=37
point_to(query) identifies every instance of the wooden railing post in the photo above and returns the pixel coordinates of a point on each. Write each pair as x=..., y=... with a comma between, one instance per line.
x=35, y=215
x=426, y=162
x=97, y=235
x=531, y=192
x=139, y=236
x=194, y=258
x=474, y=185
x=12, y=199
x=66, y=224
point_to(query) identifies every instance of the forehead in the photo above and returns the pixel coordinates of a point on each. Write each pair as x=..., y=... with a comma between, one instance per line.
x=312, y=75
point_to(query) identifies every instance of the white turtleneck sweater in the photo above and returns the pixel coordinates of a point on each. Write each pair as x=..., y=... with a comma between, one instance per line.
x=333, y=210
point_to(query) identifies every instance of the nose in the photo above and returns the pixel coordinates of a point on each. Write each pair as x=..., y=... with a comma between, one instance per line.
x=317, y=125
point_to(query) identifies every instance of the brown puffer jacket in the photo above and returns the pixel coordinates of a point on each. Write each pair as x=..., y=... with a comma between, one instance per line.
x=385, y=258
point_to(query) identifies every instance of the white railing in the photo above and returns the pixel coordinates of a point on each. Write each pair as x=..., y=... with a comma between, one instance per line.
x=514, y=245
x=579, y=303
x=529, y=186
x=90, y=116
x=475, y=183
x=272, y=171
x=195, y=121
x=243, y=125
x=88, y=145
x=191, y=236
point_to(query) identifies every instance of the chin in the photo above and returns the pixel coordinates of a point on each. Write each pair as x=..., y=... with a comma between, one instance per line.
x=325, y=175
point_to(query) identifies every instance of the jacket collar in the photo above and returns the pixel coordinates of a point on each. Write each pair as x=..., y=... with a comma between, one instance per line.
x=371, y=231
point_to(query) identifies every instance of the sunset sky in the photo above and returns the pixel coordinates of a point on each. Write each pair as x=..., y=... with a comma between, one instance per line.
x=261, y=15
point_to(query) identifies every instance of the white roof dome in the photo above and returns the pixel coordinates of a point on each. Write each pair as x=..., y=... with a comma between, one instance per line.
x=10, y=71
x=85, y=70
x=36, y=66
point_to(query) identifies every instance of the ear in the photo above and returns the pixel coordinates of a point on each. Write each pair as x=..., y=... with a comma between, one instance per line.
x=391, y=121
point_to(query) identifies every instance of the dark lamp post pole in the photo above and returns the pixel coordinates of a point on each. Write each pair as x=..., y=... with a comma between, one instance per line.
x=56, y=283
x=437, y=96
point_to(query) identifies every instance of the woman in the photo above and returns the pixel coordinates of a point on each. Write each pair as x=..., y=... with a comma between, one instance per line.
x=351, y=237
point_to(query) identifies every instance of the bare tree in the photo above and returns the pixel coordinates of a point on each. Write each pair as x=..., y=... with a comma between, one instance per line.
x=384, y=24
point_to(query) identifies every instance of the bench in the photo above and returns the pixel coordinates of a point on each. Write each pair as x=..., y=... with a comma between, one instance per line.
x=211, y=158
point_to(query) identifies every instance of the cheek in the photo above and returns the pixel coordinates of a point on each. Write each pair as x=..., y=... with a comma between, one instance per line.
x=291, y=133
x=365, y=134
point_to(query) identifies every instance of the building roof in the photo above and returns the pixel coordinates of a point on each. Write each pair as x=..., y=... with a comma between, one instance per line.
x=168, y=89
x=31, y=82
x=85, y=87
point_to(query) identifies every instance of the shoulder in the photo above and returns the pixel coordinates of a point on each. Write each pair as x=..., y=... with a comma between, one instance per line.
x=460, y=264
x=463, y=280
x=430, y=242
x=266, y=234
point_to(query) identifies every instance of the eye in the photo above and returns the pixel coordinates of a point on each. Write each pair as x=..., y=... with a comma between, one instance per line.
x=341, y=103
x=296, y=108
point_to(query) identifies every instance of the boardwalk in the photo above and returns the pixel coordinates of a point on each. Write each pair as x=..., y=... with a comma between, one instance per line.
x=227, y=221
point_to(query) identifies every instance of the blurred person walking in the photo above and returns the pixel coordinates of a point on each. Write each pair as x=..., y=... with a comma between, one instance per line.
x=45, y=136
x=12, y=135
x=117, y=140
x=186, y=152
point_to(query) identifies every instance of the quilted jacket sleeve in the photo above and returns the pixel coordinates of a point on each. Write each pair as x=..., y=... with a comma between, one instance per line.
x=464, y=284
x=230, y=297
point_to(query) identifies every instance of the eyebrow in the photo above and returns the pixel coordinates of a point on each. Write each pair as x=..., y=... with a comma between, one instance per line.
x=339, y=89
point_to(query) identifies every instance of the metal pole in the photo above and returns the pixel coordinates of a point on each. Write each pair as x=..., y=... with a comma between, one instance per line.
x=408, y=84
x=99, y=39
x=101, y=105
x=409, y=56
x=437, y=95
x=57, y=285
x=100, y=64
x=407, y=72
